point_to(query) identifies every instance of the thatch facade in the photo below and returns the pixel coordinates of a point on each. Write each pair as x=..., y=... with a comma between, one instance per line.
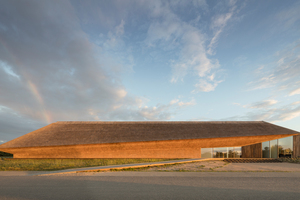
x=139, y=139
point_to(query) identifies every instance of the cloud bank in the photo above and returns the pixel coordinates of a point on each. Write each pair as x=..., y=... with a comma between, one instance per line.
x=51, y=71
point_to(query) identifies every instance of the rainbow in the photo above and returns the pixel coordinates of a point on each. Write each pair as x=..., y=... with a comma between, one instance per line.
x=32, y=87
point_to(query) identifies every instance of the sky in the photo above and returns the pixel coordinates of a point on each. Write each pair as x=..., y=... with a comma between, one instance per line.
x=152, y=60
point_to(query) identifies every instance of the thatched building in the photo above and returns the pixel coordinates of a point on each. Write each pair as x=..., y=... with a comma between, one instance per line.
x=178, y=139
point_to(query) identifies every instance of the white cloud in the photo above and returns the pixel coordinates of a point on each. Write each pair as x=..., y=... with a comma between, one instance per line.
x=121, y=93
x=279, y=114
x=205, y=86
x=120, y=28
x=8, y=70
x=284, y=71
x=286, y=115
x=158, y=112
x=219, y=22
x=114, y=37
x=218, y=25
x=295, y=103
x=294, y=92
x=174, y=101
x=262, y=104
x=169, y=32
x=190, y=103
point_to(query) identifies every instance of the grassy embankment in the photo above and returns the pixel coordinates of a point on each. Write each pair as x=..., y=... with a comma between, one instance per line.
x=8, y=164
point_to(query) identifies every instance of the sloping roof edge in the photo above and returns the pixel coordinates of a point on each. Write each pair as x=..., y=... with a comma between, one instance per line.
x=95, y=132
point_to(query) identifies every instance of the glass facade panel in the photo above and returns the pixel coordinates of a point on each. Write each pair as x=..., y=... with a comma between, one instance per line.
x=237, y=152
x=271, y=149
x=231, y=152
x=220, y=152
x=234, y=152
x=274, y=148
x=266, y=149
x=285, y=147
x=206, y=152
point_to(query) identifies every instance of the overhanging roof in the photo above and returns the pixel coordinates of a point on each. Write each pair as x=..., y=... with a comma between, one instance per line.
x=94, y=132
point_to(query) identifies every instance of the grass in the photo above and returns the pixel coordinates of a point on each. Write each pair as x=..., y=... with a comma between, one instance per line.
x=130, y=169
x=164, y=168
x=145, y=168
x=7, y=164
x=159, y=168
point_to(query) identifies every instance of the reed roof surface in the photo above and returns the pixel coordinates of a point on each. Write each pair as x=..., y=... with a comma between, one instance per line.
x=95, y=132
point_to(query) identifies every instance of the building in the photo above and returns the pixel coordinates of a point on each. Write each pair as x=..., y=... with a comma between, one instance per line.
x=178, y=139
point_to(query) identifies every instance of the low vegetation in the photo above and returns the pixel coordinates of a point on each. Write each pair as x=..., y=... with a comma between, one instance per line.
x=160, y=168
x=10, y=164
x=290, y=160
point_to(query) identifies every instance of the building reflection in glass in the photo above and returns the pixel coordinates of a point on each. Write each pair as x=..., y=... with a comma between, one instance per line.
x=270, y=149
x=234, y=152
x=206, y=152
x=221, y=152
x=285, y=147
x=278, y=148
x=274, y=148
x=266, y=149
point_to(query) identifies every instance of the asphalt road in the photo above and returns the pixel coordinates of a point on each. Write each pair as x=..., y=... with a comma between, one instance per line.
x=153, y=185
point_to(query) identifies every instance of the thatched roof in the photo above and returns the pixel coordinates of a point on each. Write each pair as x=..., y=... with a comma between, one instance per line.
x=81, y=132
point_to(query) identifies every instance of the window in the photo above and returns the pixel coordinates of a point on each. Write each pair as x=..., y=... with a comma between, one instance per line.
x=274, y=148
x=266, y=149
x=285, y=147
x=220, y=152
x=206, y=152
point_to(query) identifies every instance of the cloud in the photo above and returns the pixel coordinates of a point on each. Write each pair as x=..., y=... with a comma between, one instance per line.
x=114, y=37
x=60, y=75
x=262, y=104
x=171, y=33
x=279, y=114
x=174, y=101
x=218, y=24
x=205, y=86
x=120, y=28
x=282, y=72
x=287, y=18
x=143, y=112
x=50, y=70
x=286, y=114
x=295, y=103
x=294, y=92
x=14, y=125
x=8, y=70
x=190, y=103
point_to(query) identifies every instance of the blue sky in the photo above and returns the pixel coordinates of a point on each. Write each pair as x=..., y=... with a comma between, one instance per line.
x=148, y=60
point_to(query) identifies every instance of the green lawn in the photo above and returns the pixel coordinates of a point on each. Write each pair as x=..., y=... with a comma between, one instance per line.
x=9, y=164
